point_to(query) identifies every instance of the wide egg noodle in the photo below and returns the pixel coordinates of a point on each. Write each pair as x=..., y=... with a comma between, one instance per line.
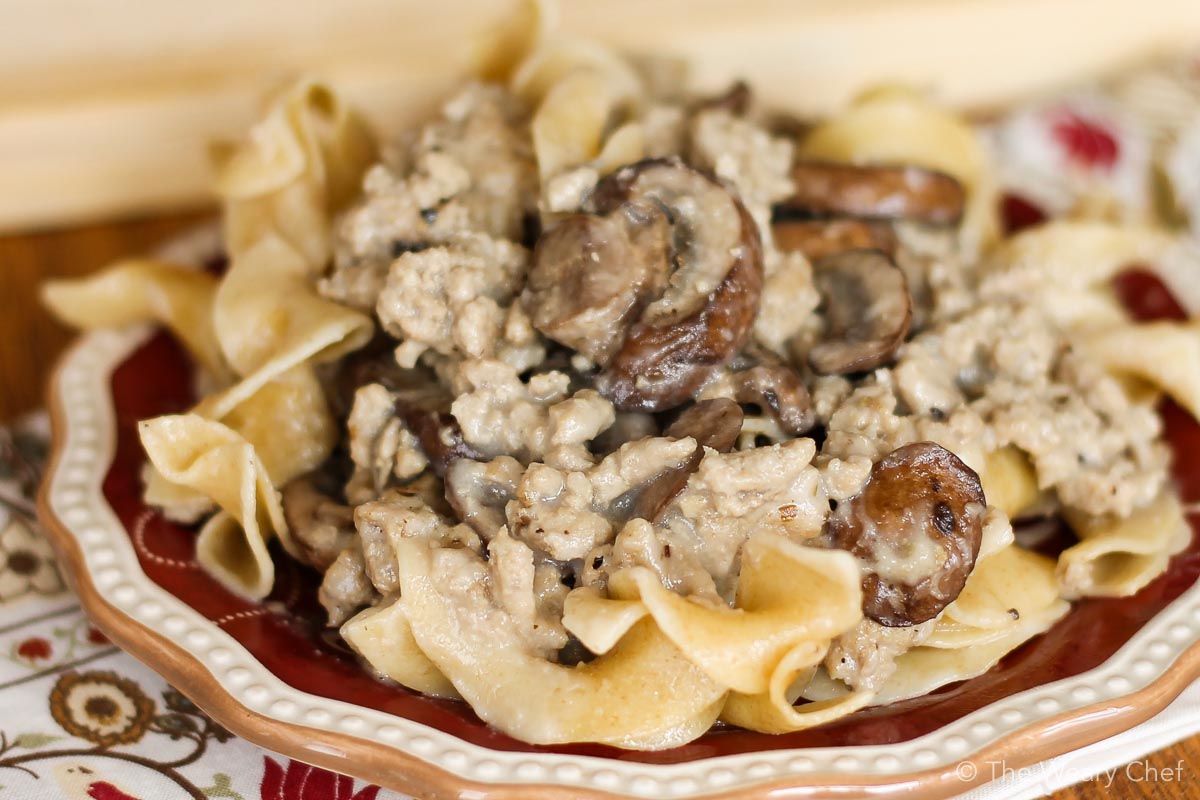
x=1117, y=557
x=287, y=423
x=789, y=598
x=775, y=710
x=643, y=694
x=198, y=453
x=280, y=189
x=143, y=290
x=569, y=126
x=580, y=91
x=269, y=318
x=507, y=45
x=1165, y=355
x=1009, y=481
x=1012, y=583
x=1009, y=586
x=1073, y=261
x=895, y=125
x=549, y=64
x=300, y=165
x=599, y=622
x=382, y=636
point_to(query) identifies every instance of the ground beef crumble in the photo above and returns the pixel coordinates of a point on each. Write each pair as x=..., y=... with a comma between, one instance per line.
x=438, y=251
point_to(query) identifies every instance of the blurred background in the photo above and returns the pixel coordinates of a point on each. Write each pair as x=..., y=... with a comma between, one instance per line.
x=106, y=110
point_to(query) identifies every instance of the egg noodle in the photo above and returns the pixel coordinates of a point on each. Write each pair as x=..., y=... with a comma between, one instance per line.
x=767, y=629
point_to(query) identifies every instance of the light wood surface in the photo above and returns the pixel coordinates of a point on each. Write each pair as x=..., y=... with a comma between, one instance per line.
x=30, y=340
x=111, y=112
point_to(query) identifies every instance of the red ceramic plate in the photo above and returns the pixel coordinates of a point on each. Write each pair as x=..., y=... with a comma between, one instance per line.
x=272, y=673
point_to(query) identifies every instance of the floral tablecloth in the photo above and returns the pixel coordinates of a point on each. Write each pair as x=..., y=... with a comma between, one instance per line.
x=80, y=719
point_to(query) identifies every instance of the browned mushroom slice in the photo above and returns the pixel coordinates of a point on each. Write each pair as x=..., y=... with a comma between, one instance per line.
x=424, y=405
x=864, y=297
x=712, y=423
x=917, y=526
x=712, y=289
x=478, y=491
x=777, y=390
x=439, y=436
x=649, y=499
x=658, y=283
x=826, y=189
x=817, y=238
x=320, y=527
x=591, y=273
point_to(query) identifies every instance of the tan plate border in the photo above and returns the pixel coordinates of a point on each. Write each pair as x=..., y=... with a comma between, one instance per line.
x=402, y=771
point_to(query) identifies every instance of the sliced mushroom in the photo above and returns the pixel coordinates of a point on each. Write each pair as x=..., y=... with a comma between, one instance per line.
x=478, y=491
x=714, y=283
x=649, y=499
x=760, y=378
x=420, y=402
x=590, y=275
x=825, y=189
x=917, y=527
x=817, y=238
x=439, y=435
x=320, y=526
x=658, y=283
x=712, y=423
x=424, y=405
x=867, y=310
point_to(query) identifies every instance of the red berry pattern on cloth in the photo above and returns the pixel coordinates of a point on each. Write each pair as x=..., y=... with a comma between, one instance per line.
x=1085, y=142
x=35, y=649
x=303, y=782
x=103, y=790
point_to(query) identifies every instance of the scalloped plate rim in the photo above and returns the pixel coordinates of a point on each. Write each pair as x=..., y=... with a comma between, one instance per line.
x=232, y=686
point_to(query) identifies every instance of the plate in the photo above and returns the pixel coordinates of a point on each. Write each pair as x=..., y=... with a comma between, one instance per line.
x=272, y=674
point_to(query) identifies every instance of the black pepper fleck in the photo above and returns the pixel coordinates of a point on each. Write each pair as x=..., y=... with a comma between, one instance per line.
x=943, y=519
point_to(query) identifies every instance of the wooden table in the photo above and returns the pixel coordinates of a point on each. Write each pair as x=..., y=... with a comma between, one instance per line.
x=30, y=340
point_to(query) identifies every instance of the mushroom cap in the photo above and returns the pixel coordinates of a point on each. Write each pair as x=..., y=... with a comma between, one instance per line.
x=713, y=423
x=590, y=274
x=828, y=189
x=867, y=308
x=817, y=238
x=777, y=389
x=917, y=526
x=708, y=307
x=659, y=282
x=478, y=491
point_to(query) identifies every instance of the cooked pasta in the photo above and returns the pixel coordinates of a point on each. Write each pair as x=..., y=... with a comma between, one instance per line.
x=615, y=412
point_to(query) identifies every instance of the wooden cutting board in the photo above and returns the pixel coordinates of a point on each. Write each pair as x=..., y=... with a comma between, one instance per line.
x=107, y=109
